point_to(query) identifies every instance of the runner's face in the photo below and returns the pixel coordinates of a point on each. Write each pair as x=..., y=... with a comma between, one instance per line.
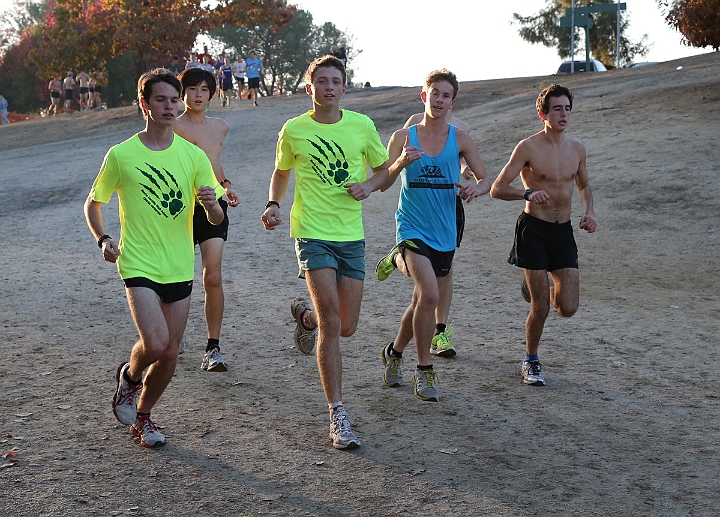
x=162, y=105
x=197, y=97
x=327, y=86
x=558, y=115
x=438, y=99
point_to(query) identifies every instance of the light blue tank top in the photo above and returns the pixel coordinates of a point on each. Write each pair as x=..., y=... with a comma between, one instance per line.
x=426, y=209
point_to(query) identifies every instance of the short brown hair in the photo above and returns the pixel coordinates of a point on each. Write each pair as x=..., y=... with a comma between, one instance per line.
x=554, y=90
x=325, y=62
x=442, y=75
x=158, y=75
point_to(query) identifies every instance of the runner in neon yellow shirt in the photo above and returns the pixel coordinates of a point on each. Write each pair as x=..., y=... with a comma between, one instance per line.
x=157, y=176
x=329, y=149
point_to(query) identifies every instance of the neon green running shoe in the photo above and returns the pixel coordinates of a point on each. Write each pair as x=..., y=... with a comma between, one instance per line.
x=386, y=264
x=441, y=343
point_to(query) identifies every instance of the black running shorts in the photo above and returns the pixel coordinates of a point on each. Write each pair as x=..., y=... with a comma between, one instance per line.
x=441, y=260
x=543, y=245
x=204, y=229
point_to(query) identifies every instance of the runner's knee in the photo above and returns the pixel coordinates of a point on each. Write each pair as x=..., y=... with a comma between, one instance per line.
x=567, y=310
x=212, y=279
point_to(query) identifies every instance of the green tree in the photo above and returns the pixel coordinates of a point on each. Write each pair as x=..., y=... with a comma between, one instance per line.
x=697, y=20
x=286, y=51
x=544, y=28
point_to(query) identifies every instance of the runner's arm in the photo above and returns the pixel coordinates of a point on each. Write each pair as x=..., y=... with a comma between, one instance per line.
x=93, y=217
x=213, y=210
x=401, y=155
x=278, y=187
x=588, y=221
x=360, y=191
x=468, y=152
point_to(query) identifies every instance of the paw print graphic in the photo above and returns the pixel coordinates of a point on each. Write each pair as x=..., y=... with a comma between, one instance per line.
x=330, y=164
x=163, y=194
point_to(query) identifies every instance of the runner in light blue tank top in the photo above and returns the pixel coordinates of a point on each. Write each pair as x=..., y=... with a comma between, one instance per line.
x=426, y=209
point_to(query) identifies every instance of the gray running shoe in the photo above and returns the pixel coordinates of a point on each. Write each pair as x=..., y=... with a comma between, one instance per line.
x=182, y=346
x=304, y=339
x=532, y=373
x=213, y=361
x=425, y=384
x=145, y=429
x=340, y=432
x=392, y=375
x=124, y=402
x=525, y=291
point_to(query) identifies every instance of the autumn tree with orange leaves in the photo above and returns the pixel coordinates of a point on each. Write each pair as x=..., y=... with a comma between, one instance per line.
x=697, y=20
x=83, y=35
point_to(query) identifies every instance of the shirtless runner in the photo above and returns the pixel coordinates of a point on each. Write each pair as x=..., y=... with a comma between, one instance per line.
x=208, y=133
x=69, y=85
x=549, y=163
x=83, y=80
x=55, y=87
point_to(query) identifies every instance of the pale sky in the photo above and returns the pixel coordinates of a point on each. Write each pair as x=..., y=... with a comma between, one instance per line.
x=403, y=40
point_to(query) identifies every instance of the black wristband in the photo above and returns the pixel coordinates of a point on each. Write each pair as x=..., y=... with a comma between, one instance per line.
x=527, y=194
x=102, y=239
x=225, y=181
x=269, y=203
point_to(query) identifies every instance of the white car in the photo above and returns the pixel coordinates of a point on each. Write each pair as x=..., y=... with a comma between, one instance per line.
x=642, y=63
x=595, y=66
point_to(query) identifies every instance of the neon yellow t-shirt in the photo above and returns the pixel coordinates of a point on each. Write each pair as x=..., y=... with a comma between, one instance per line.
x=326, y=157
x=157, y=192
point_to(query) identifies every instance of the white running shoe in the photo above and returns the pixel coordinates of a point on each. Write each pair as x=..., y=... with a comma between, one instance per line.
x=124, y=402
x=340, y=432
x=213, y=361
x=149, y=434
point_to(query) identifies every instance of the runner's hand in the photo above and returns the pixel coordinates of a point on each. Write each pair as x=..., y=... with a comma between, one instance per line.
x=468, y=191
x=110, y=250
x=358, y=191
x=588, y=223
x=207, y=197
x=233, y=199
x=271, y=217
x=539, y=197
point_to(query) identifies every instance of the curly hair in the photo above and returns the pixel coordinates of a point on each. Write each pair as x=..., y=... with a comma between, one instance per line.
x=554, y=90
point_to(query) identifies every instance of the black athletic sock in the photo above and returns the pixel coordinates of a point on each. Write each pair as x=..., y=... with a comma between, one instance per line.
x=425, y=367
x=212, y=343
x=440, y=327
x=129, y=380
x=394, y=352
x=142, y=414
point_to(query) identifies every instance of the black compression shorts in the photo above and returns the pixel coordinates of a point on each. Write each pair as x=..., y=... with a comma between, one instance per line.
x=168, y=293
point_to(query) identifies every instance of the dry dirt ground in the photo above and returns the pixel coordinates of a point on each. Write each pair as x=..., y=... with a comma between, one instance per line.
x=627, y=425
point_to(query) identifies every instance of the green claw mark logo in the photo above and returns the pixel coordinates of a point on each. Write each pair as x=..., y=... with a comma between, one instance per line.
x=165, y=196
x=332, y=167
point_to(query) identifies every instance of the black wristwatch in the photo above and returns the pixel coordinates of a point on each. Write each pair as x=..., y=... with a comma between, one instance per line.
x=103, y=239
x=527, y=194
x=270, y=203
